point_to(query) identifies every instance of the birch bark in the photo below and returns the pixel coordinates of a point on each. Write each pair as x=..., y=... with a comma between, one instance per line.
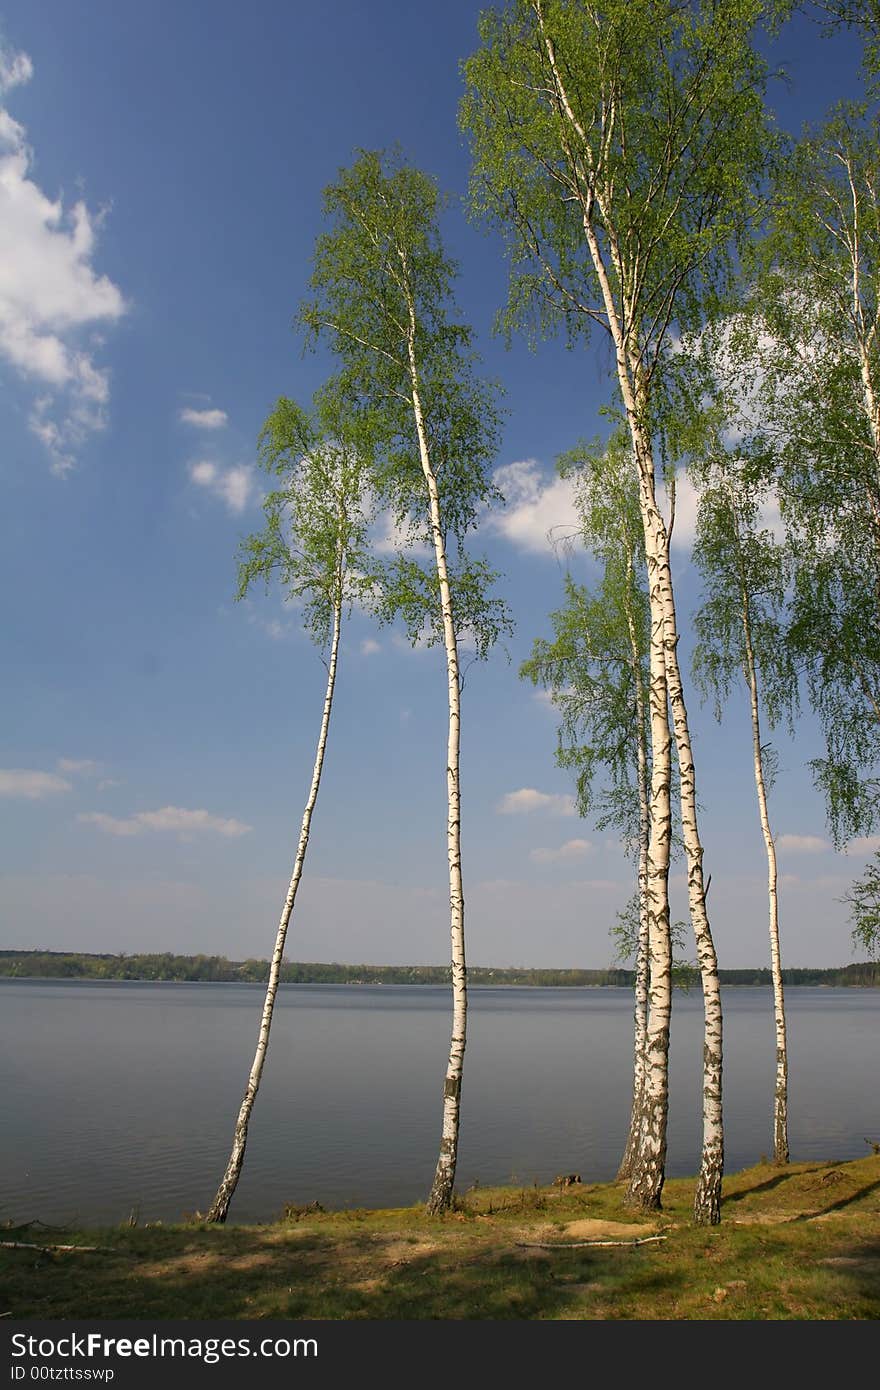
x=622, y=321
x=440, y=1198
x=220, y=1206
x=780, y=1090
x=643, y=971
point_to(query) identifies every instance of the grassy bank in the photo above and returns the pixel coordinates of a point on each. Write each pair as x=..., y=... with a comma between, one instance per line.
x=802, y=1242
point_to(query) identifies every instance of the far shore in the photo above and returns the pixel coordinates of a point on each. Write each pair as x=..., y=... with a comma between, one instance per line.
x=166, y=968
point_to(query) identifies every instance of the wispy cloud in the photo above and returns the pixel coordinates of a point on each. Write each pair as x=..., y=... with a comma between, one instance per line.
x=51, y=297
x=822, y=883
x=802, y=844
x=176, y=819
x=15, y=69
x=234, y=486
x=528, y=799
x=211, y=419
x=387, y=537
x=420, y=643
x=77, y=767
x=369, y=647
x=864, y=844
x=272, y=627
x=31, y=785
x=572, y=849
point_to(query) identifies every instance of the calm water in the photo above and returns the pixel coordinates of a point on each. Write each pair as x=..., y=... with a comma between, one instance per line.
x=118, y=1095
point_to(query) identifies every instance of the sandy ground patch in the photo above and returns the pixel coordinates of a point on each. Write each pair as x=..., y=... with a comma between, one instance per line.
x=591, y=1228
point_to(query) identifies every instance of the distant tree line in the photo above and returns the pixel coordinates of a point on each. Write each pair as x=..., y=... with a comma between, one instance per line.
x=81, y=965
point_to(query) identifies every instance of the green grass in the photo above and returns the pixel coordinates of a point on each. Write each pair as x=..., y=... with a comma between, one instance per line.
x=798, y=1242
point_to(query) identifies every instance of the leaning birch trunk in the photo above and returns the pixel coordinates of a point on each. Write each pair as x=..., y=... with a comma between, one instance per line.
x=780, y=1091
x=442, y=1188
x=640, y=1013
x=220, y=1207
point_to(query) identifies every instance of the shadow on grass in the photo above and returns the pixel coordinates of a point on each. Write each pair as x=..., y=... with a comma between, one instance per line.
x=264, y=1274
x=781, y=1176
x=842, y=1204
x=858, y=1269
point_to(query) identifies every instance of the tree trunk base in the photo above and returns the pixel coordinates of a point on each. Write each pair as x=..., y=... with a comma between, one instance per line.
x=707, y=1199
x=442, y=1193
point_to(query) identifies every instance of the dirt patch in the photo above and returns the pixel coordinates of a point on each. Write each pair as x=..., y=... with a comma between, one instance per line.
x=592, y=1228
x=366, y=1285
x=764, y=1218
x=187, y=1263
x=402, y=1252
x=870, y=1264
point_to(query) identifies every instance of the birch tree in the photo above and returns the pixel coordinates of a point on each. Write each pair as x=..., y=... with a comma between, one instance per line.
x=863, y=901
x=595, y=669
x=383, y=302
x=818, y=307
x=619, y=148
x=314, y=543
x=741, y=630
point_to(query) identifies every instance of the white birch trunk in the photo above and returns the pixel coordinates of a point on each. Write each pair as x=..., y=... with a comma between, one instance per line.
x=646, y=1182
x=440, y=1198
x=643, y=973
x=780, y=1091
x=649, y=1164
x=220, y=1206
x=648, y=1167
x=707, y=1199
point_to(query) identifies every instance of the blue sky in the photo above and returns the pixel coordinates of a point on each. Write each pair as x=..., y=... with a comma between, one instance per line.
x=161, y=170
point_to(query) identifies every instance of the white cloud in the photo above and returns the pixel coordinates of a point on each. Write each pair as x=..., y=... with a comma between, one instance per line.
x=388, y=538
x=170, y=818
x=111, y=824
x=687, y=500
x=527, y=799
x=203, y=419
x=50, y=294
x=539, y=510
x=864, y=844
x=572, y=849
x=369, y=647
x=106, y=783
x=272, y=627
x=15, y=69
x=204, y=473
x=822, y=883
x=31, y=786
x=802, y=844
x=84, y=767
x=234, y=486
x=420, y=643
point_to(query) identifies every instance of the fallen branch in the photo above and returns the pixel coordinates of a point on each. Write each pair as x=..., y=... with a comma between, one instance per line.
x=53, y=1249
x=582, y=1244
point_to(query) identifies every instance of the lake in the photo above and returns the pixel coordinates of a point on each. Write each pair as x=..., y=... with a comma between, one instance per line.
x=122, y=1095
